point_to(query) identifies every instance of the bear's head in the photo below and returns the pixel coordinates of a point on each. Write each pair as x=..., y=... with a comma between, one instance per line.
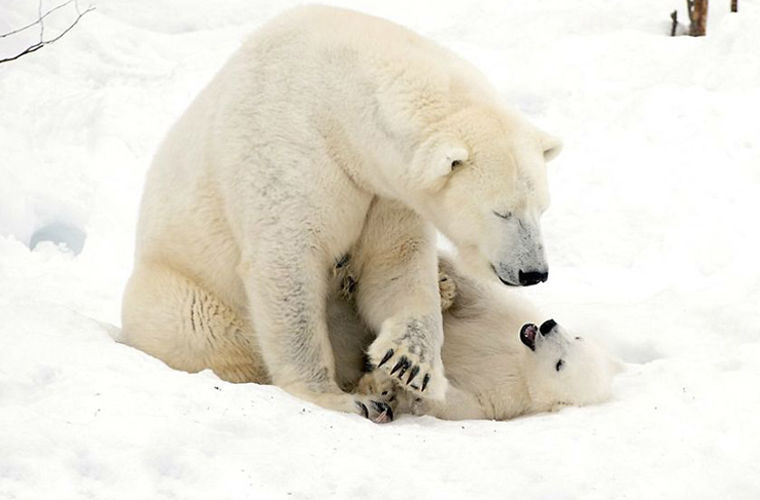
x=480, y=177
x=563, y=369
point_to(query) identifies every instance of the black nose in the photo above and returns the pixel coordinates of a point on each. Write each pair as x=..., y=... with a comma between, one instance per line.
x=532, y=278
x=547, y=327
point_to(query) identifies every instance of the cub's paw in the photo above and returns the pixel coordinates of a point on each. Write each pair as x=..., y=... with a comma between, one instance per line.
x=448, y=290
x=345, y=277
x=380, y=385
x=408, y=356
x=379, y=412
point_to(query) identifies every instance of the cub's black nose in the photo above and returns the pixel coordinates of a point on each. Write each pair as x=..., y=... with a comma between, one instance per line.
x=547, y=327
x=532, y=277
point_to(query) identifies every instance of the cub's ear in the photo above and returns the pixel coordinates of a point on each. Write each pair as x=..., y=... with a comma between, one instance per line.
x=551, y=146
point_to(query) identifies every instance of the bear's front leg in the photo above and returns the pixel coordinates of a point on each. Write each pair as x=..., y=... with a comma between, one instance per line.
x=287, y=292
x=398, y=296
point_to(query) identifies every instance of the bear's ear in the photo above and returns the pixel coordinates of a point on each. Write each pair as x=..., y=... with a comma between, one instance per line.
x=551, y=146
x=451, y=157
x=434, y=160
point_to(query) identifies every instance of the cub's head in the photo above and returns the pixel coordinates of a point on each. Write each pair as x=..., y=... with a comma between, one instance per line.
x=484, y=187
x=563, y=369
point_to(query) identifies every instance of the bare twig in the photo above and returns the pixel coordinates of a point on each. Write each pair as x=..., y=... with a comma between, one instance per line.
x=19, y=30
x=37, y=46
x=674, y=17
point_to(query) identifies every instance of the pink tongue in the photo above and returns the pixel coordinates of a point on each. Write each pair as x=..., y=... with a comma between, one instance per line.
x=530, y=332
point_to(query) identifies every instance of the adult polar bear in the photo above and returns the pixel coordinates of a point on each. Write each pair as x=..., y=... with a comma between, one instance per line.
x=326, y=131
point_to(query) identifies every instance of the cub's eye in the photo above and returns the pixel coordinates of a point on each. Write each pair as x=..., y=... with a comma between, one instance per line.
x=503, y=215
x=559, y=365
x=455, y=164
x=578, y=338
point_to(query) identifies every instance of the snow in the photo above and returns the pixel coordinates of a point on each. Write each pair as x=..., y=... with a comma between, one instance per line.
x=652, y=239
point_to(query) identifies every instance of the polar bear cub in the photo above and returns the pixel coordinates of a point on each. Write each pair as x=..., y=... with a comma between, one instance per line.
x=501, y=365
x=329, y=132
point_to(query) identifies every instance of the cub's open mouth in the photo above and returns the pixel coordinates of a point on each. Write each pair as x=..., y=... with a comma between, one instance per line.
x=528, y=334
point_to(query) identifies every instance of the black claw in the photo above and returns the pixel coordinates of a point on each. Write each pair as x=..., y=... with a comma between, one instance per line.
x=385, y=359
x=425, y=381
x=404, y=368
x=399, y=365
x=415, y=387
x=381, y=408
x=363, y=408
x=412, y=374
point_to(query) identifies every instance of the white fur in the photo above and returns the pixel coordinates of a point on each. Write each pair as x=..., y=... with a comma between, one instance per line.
x=328, y=132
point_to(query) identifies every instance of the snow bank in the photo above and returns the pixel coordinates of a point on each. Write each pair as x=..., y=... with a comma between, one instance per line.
x=651, y=236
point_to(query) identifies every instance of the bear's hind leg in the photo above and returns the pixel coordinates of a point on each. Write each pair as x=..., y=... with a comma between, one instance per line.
x=169, y=316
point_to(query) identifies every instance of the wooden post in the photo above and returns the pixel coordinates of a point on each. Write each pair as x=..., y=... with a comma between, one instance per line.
x=734, y=5
x=698, y=16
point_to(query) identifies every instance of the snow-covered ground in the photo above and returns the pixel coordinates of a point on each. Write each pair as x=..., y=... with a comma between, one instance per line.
x=652, y=238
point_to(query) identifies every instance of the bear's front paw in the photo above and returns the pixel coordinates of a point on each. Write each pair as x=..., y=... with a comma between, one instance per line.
x=406, y=352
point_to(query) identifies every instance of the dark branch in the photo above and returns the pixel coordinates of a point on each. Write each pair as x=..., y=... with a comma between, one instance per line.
x=38, y=21
x=42, y=43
